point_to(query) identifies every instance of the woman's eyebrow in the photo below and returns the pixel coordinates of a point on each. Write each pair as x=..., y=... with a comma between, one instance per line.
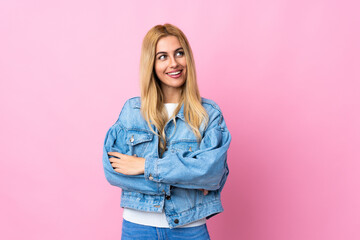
x=166, y=52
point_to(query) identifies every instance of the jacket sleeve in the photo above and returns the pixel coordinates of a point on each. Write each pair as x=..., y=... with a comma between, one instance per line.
x=205, y=168
x=115, y=142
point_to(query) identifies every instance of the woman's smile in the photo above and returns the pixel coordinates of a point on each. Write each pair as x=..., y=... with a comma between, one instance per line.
x=175, y=74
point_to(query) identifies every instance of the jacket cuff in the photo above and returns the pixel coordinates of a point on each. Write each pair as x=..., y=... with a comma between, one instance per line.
x=150, y=171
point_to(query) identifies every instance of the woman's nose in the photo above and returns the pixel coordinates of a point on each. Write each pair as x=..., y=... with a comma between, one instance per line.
x=173, y=63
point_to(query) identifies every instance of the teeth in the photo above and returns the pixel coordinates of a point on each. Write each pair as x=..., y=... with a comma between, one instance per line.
x=174, y=73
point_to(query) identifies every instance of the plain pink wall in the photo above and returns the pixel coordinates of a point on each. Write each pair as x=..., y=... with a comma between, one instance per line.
x=285, y=73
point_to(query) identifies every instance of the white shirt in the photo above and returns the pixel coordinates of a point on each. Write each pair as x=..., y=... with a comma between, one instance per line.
x=153, y=218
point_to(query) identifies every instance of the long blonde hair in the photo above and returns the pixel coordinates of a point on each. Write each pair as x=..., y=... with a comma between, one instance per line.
x=152, y=97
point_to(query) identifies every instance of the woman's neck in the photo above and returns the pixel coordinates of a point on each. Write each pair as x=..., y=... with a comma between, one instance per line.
x=171, y=95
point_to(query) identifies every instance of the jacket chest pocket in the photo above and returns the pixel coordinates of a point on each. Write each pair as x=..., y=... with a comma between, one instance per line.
x=138, y=142
x=186, y=146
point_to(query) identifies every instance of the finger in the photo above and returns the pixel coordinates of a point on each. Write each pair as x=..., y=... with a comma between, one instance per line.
x=120, y=170
x=114, y=160
x=205, y=192
x=122, y=156
x=116, y=165
x=116, y=154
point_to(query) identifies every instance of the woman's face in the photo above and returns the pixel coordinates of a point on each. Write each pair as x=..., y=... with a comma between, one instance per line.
x=170, y=63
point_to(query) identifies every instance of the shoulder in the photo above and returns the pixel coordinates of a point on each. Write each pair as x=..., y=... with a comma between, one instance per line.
x=133, y=102
x=130, y=112
x=210, y=103
x=211, y=106
x=215, y=114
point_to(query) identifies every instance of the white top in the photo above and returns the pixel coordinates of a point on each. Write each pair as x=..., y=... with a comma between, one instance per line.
x=153, y=218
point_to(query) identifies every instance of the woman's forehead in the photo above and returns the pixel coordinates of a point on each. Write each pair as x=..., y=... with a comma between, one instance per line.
x=168, y=43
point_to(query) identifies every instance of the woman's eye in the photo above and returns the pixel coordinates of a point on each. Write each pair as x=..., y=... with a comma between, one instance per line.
x=180, y=53
x=162, y=57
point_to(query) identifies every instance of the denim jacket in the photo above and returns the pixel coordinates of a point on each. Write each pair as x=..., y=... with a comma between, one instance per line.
x=173, y=181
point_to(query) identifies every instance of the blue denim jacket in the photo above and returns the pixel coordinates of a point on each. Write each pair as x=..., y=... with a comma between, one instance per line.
x=173, y=180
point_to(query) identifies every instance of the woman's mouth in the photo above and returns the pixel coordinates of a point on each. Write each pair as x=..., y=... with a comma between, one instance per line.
x=175, y=74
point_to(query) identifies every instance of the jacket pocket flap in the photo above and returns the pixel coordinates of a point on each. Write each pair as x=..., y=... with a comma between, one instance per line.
x=136, y=137
x=187, y=145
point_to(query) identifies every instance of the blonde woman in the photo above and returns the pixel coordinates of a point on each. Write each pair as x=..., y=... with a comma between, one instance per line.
x=168, y=148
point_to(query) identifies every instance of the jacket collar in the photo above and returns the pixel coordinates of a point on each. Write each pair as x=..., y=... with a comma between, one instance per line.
x=137, y=104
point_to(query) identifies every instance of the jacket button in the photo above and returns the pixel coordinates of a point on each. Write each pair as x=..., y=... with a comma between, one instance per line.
x=176, y=221
x=151, y=177
x=132, y=138
x=168, y=197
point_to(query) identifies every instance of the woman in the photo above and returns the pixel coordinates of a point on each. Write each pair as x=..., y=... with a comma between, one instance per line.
x=168, y=148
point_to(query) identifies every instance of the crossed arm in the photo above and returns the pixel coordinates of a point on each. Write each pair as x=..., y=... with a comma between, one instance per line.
x=131, y=165
x=151, y=175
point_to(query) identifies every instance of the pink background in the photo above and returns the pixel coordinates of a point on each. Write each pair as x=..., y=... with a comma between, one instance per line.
x=285, y=73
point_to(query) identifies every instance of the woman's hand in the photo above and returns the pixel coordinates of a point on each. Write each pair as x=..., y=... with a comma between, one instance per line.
x=126, y=164
x=204, y=191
